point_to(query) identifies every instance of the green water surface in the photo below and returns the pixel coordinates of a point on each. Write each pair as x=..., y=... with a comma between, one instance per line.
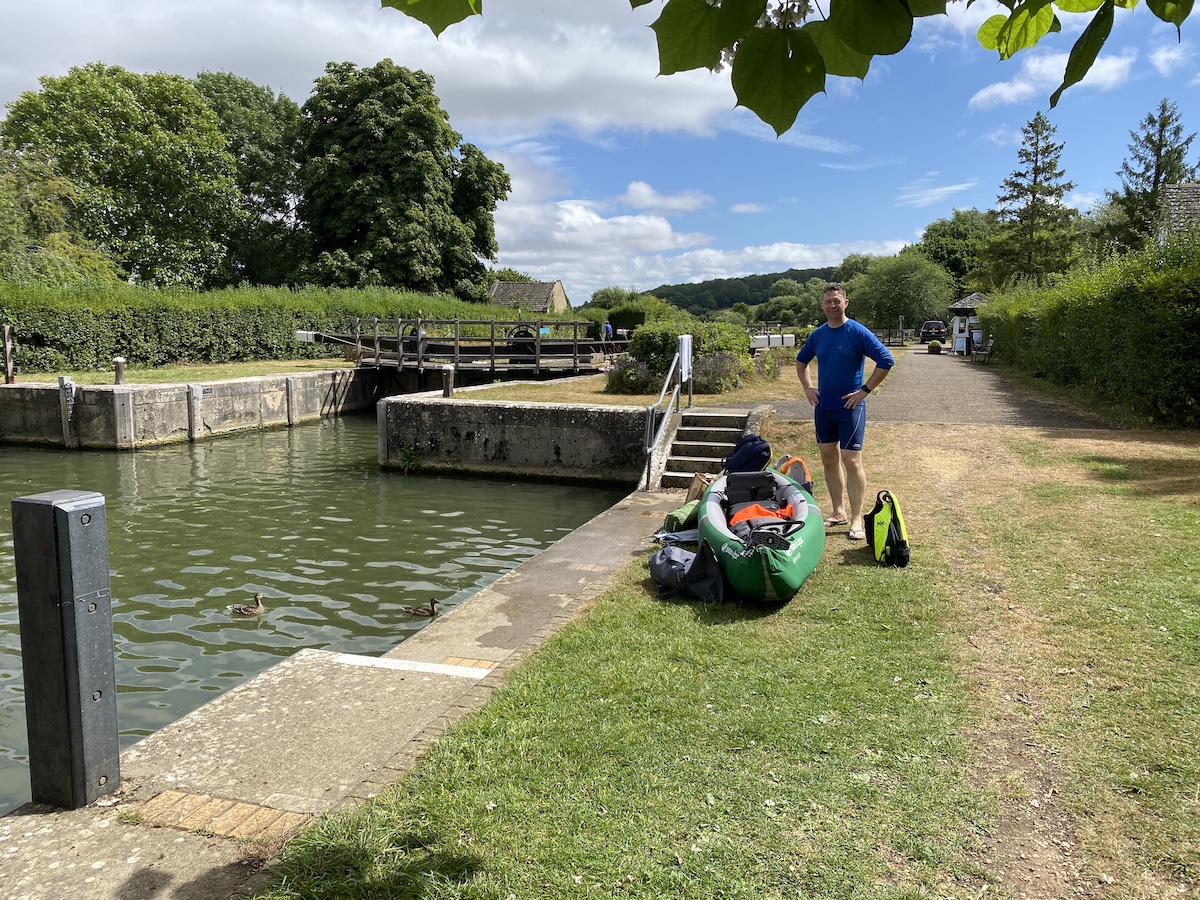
x=304, y=515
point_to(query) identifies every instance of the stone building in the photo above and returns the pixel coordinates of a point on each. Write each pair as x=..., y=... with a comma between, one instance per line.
x=535, y=296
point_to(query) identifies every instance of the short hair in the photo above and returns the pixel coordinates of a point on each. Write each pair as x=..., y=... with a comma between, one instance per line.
x=834, y=287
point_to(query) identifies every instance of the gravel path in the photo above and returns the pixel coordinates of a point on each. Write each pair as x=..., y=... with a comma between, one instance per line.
x=945, y=389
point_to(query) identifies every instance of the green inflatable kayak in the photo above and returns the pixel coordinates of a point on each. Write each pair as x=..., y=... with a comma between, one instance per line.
x=766, y=531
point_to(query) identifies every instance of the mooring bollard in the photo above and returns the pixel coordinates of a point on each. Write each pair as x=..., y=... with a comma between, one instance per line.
x=119, y=369
x=447, y=381
x=60, y=542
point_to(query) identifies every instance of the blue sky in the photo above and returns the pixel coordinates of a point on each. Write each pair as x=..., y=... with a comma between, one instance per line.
x=625, y=178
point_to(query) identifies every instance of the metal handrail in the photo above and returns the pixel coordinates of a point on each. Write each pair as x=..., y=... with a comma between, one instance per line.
x=653, y=438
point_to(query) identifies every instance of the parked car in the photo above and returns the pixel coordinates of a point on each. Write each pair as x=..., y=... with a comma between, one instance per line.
x=933, y=330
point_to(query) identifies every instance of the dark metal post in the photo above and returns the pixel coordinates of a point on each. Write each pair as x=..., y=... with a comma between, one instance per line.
x=447, y=381
x=60, y=542
x=118, y=370
x=10, y=369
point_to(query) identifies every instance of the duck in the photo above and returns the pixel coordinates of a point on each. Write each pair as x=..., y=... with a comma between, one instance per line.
x=245, y=609
x=429, y=611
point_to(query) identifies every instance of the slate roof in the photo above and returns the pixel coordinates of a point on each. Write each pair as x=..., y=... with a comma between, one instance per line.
x=535, y=296
x=1180, y=208
x=969, y=303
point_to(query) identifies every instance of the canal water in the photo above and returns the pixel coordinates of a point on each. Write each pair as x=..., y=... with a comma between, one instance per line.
x=304, y=515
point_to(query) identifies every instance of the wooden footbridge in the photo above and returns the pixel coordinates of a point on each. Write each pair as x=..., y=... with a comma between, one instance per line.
x=487, y=347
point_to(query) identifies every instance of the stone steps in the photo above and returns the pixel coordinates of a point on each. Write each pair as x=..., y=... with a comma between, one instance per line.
x=701, y=444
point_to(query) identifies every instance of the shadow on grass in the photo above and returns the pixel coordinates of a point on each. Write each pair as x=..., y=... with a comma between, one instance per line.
x=412, y=866
x=734, y=608
x=1158, y=464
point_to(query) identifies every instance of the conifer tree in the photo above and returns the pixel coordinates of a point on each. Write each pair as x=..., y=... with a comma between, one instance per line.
x=1037, y=235
x=1157, y=156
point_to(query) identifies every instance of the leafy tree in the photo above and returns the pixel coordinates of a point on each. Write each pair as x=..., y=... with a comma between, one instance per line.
x=39, y=234
x=908, y=285
x=612, y=296
x=148, y=154
x=781, y=53
x=854, y=264
x=389, y=195
x=266, y=244
x=1157, y=156
x=1036, y=237
x=787, y=287
x=510, y=274
x=1101, y=228
x=800, y=306
x=957, y=245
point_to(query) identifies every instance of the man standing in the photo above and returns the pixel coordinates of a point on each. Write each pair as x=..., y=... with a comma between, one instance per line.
x=841, y=347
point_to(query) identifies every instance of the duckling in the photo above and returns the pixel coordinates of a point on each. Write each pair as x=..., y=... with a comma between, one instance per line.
x=429, y=611
x=245, y=609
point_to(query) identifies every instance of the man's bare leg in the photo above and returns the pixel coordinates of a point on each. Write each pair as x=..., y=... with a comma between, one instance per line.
x=831, y=462
x=856, y=486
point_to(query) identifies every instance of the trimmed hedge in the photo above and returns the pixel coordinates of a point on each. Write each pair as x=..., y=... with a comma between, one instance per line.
x=1126, y=332
x=80, y=328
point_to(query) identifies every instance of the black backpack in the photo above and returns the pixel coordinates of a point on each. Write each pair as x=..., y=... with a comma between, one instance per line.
x=886, y=533
x=750, y=454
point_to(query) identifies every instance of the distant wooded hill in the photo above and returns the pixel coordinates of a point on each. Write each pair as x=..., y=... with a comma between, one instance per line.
x=722, y=293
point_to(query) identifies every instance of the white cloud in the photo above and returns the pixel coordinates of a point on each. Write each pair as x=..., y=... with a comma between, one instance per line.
x=744, y=208
x=1041, y=74
x=640, y=195
x=1081, y=200
x=1169, y=57
x=925, y=192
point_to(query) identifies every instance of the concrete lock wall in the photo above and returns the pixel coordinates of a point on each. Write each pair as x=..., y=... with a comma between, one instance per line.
x=142, y=415
x=601, y=443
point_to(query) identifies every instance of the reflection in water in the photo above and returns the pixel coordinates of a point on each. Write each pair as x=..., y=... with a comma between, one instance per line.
x=303, y=515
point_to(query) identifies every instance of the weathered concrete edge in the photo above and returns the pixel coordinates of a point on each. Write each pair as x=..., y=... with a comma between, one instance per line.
x=506, y=438
x=126, y=417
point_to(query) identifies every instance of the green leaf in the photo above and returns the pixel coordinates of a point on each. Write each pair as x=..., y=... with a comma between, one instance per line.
x=1078, y=6
x=1173, y=11
x=687, y=36
x=920, y=8
x=776, y=71
x=1027, y=25
x=1086, y=49
x=839, y=59
x=988, y=34
x=691, y=34
x=437, y=14
x=872, y=27
x=739, y=16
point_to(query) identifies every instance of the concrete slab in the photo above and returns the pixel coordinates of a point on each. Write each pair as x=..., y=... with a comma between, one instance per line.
x=280, y=739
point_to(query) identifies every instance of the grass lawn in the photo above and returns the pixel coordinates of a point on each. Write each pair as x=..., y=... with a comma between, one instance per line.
x=1014, y=714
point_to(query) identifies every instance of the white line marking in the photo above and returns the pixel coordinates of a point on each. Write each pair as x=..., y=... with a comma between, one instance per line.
x=412, y=665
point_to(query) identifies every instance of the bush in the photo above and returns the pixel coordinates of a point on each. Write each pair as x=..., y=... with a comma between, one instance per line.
x=655, y=344
x=767, y=366
x=718, y=373
x=629, y=376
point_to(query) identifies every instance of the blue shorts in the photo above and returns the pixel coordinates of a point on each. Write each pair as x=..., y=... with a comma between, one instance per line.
x=846, y=426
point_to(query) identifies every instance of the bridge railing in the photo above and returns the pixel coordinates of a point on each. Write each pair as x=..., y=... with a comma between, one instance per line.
x=478, y=343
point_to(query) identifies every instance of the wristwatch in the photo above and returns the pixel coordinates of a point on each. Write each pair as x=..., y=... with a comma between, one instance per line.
x=865, y=389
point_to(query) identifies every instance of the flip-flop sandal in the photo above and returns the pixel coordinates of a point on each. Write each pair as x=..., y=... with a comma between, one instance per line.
x=831, y=522
x=857, y=534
